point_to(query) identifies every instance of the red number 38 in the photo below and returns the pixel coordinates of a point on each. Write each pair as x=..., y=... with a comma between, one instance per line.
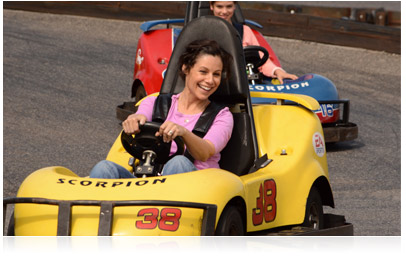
x=266, y=203
x=168, y=220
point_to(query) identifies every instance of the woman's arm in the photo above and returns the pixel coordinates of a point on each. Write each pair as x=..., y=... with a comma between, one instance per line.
x=199, y=148
x=269, y=69
x=143, y=114
x=213, y=142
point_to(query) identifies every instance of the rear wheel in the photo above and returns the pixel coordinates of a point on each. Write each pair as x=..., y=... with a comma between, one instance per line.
x=230, y=223
x=314, y=211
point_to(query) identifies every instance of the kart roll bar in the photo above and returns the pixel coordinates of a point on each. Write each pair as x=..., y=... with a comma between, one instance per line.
x=107, y=210
x=146, y=26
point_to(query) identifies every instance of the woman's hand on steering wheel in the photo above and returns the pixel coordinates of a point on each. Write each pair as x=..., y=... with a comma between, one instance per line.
x=132, y=124
x=146, y=139
x=169, y=131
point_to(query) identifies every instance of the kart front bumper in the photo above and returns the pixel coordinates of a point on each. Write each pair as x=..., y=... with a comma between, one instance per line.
x=342, y=130
x=107, y=212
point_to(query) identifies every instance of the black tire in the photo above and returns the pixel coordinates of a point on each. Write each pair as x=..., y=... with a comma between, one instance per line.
x=230, y=223
x=140, y=93
x=314, y=211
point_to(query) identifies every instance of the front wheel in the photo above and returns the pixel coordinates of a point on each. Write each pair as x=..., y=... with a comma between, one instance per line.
x=314, y=211
x=230, y=223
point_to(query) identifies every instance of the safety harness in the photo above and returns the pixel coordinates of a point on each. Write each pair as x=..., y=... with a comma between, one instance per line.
x=163, y=104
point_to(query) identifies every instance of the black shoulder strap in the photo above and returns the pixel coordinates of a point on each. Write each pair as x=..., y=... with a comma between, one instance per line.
x=163, y=104
x=204, y=123
x=240, y=29
x=161, y=107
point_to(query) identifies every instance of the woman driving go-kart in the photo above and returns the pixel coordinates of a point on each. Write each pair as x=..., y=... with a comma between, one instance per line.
x=202, y=67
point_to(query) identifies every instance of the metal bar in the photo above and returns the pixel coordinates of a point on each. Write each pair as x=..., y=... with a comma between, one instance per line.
x=64, y=218
x=346, y=111
x=334, y=101
x=4, y=218
x=209, y=221
x=106, y=219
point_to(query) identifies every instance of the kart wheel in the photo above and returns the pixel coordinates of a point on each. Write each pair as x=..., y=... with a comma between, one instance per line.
x=230, y=223
x=140, y=93
x=314, y=211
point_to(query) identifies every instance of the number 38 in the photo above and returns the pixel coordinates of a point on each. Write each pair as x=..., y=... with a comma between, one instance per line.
x=266, y=203
x=168, y=220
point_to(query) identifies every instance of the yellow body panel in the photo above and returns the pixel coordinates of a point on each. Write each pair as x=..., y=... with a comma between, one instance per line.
x=295, y=164
x=304, y=100
x=273, y=196
x=61, y=184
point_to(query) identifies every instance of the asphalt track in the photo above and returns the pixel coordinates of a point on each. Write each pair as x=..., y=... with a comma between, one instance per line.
x=64, y=75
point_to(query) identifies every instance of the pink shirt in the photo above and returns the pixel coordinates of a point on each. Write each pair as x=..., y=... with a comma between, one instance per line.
x=249, y=39
x=219, y=133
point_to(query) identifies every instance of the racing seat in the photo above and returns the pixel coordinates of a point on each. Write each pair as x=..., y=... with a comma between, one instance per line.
x=241, y=151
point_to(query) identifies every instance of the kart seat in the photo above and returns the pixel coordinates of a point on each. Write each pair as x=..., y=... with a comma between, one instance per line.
x=241, y=151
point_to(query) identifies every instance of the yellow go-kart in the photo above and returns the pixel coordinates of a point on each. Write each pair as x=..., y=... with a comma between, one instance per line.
x=273, y=177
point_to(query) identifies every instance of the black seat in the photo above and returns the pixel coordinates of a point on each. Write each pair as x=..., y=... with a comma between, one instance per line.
x=241, y=151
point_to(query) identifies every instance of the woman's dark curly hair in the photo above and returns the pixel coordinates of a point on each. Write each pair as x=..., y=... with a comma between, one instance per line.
x=203, y=47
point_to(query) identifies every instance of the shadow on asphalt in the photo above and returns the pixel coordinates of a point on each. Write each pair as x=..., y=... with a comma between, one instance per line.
x=343, y=146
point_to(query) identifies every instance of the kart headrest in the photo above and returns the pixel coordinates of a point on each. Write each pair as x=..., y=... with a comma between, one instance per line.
x=234, y=90
x=196, y=9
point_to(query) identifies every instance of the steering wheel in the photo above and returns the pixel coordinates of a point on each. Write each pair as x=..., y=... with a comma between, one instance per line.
x=251, y=54
x=146, y=140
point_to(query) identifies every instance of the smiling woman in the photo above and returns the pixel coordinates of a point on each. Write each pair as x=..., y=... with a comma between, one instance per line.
x=202, y=66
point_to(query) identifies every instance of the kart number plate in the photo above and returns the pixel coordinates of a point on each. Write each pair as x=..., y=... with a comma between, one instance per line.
x=166, y=219
x=266, y=203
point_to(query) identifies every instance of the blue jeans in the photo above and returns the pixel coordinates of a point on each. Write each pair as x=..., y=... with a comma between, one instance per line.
x=107, y=169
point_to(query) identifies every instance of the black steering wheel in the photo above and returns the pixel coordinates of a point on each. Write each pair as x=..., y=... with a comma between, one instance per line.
x=146, y=140
x=251, y=54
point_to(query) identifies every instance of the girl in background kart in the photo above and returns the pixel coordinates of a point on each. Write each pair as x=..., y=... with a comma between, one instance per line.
x=225, y=10
x=201, y=66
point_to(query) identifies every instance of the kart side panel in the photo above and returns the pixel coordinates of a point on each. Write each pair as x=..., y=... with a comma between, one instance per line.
x=153, y=53
x=297, y=162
